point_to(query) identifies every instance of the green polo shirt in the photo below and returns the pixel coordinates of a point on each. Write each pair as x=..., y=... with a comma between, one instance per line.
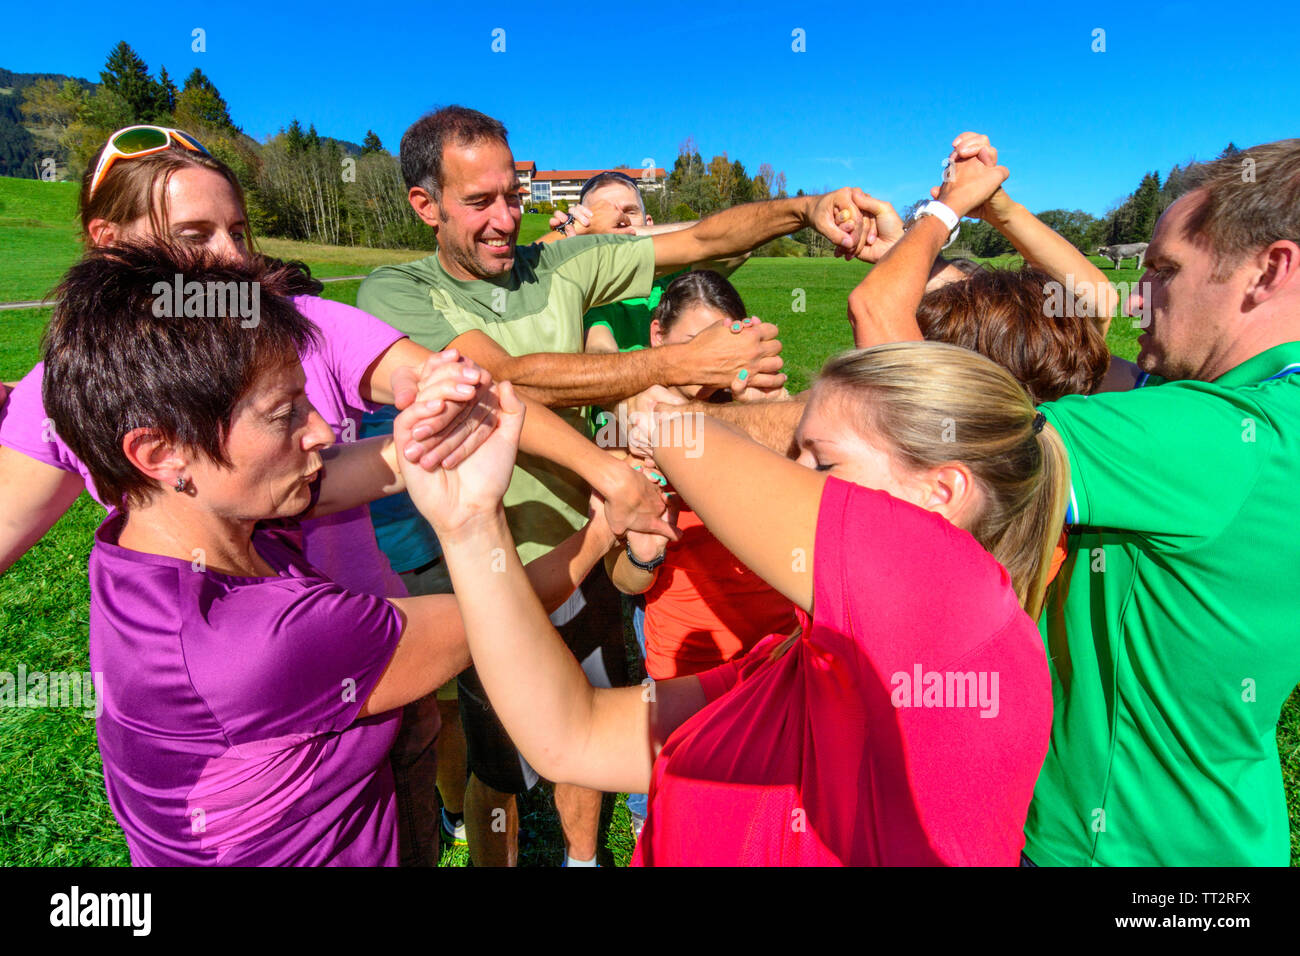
x=1172, y=629
x=536, y=307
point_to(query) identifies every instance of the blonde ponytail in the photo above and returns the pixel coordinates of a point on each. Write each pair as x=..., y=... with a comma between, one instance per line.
x=934, y=404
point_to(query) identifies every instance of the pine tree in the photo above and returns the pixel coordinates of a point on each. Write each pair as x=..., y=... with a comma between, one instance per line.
x=371, y=144
x=1146, y=208
x=312, y=141
x=166, y=92
x=295, y=142
x=201, y=104
x=127, y=75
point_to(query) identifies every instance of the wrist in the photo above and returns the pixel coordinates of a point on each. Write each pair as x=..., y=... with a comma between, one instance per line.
x=482, y=530
x=1001, y=208
x=644, y=558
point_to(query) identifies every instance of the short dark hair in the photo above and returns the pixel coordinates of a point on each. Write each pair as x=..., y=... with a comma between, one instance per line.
x=423, y=143
x=113, y=363
x=699, y=287
x=611, y=177
x=1251, y=199
x=1002, y=314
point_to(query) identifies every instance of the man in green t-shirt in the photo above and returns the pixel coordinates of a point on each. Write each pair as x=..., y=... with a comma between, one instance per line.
x=1172, y=628
x=517, y=311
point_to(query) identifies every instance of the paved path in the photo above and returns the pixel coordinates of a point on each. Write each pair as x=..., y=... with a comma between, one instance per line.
x=38, y=305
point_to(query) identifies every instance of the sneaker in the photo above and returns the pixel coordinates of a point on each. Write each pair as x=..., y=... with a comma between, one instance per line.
x=455, y=834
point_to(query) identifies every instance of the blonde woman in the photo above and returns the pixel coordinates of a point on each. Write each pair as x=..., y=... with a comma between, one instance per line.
x=907, y=722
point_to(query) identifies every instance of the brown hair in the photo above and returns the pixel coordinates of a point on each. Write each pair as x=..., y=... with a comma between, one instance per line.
x=1005, y=315
x=116, y=358
x=935, y=403
x=1251, y=199
x=698, y=287
x=423, y=144
x=136, y=187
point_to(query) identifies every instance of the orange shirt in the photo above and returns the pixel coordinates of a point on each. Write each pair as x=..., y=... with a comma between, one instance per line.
x=706, y=607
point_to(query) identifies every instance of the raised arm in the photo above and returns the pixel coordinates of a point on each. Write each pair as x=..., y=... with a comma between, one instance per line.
x=568, y=731
x=729, y=479
x=1040, y=245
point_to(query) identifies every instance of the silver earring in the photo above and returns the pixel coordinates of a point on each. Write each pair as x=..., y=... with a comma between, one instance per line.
x=181, y=483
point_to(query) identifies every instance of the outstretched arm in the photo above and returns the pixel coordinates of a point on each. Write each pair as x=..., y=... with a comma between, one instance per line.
x=839, y=216
x=715, y=357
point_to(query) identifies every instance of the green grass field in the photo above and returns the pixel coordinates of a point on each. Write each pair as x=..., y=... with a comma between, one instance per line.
x=53, y=809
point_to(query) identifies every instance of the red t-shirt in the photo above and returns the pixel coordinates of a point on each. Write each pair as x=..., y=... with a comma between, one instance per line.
x=830, y=754
x=705, y=607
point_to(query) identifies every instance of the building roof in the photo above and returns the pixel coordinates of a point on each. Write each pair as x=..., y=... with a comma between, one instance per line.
x=584, y=174
x=528, y=167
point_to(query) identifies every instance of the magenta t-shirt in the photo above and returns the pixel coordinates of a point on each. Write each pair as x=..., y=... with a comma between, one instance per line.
x=906, y=726
x=229, y=731
x=342, y=545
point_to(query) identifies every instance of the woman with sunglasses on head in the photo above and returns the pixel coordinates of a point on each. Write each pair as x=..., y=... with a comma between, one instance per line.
x=150, y=181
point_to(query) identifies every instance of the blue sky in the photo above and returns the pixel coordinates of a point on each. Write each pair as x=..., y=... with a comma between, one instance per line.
x=874, y=100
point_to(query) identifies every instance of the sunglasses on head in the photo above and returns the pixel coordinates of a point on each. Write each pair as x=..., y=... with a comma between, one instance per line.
x=603, y=178
x=133, y=142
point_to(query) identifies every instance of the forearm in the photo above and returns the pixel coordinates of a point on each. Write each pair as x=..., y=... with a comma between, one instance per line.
x=729, y=480
x=562, y=380
x=1045, y=248
x=356, y=473
x=771, y=424
x=731, y=232
x=627, y=577
x=566, y=729
x=36, y=495
x=558, y=573
x=883, y=306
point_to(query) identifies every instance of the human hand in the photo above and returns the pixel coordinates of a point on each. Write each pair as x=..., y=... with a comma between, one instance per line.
x=971, y=176
x=838, y=216
x=445, y=427
x=888, y=223
x=452, y=499
x=640, y=417
x=578, y=211
x=737, y=355
x=633, y=499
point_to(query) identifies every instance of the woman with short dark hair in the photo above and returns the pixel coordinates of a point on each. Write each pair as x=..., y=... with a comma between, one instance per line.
x=250, y=702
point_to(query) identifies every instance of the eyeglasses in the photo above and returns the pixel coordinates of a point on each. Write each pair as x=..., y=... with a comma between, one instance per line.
x=132, y=142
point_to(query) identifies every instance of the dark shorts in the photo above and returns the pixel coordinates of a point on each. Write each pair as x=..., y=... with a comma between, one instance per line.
x=595, y=635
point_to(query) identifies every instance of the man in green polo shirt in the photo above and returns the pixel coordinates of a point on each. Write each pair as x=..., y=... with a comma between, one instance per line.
x=1172, y=629
x=518, y=311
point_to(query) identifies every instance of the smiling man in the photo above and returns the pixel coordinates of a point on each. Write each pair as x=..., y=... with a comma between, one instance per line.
x=518, y=312
x=1172, y=628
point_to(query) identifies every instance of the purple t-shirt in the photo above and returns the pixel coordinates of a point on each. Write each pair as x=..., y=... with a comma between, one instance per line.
x=229, y=730
x=341, y=545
